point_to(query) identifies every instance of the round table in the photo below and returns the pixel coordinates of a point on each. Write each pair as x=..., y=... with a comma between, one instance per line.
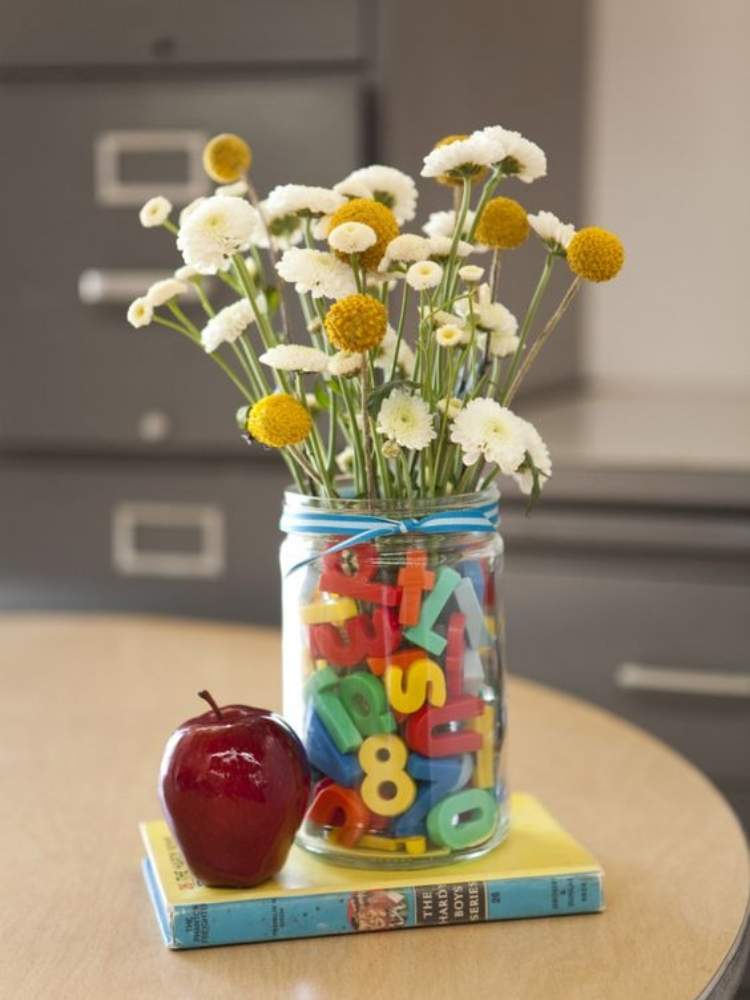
x=86, y=706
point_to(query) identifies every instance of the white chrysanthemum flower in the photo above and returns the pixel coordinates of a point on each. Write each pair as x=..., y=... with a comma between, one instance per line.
x=518, y=156
x=345, y=459
x=450, y=335
x=217, y=229
x=391, y=449
x=393, y=188
x=227, y=325
x=155, y=212
x=502, y=345
x=352, y=237
x=295, y=358
x=162, y=291
x=470, y=273
x=555, y=234
x=301, y=199
x=317, y=272
x=489, y=316
x=469, y=153
x=344, y=363
x=440, y=246
x=285, y=229
x=444, y=224
x=539, y=453
x=140, y=312
x=191, y=207
x=424, y=274
x=321, y=227
x=450, y=404
x=485, y=428
x=405, y=249
x=386, y=352
x=407, y=420
x=186, y=273
x=237, y=190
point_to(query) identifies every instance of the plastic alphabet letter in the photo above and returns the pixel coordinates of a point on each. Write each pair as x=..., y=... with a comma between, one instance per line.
x=323, y=753
x=463, y=819
x=423, y=634
x=466, y=598
x=387, y=789
x=343, y=808
x=403, y=658
x=342, y=649
x=437, y=777
x=335, y=612
x=322, y=688
x=365, y=701
x=420, y=728
x=360, y=585
x=454, y=654
x=484, y=772
x=414, y=578
x=408, y=688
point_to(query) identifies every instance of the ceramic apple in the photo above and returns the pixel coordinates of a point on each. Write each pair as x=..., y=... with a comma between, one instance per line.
x=234, y=785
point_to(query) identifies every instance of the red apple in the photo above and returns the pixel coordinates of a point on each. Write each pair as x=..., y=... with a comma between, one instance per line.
x=234, y=786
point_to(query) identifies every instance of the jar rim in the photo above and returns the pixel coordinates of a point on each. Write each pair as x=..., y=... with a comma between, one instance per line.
x=294, y=501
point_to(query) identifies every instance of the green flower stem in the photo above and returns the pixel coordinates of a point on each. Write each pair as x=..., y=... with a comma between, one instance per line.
x=406, y=474
x=354, y=261
x=305, y=465
x=315, y=442
x=364, y=397
x=170, y=227
x=265, y=329
x=246, y=368
x=214, y=357
x=542, y=339
x=332, y=430
x=353, y=436
x=447, y=283
x=275, y=280
x=528, y=319
x=496, y=175
x=400, y=330
x=208, y=309
x=254, y=364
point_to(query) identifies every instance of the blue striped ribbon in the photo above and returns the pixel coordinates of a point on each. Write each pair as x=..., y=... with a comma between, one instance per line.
x=360, y=528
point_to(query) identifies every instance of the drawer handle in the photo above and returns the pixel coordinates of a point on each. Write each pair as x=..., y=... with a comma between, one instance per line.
x=644, y=677
x=111, y=190
x=208, y=562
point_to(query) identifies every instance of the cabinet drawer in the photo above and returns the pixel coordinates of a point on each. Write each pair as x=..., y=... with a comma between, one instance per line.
x=573, y=626
x=78, y=376
x=106, y=33
x=185, y=539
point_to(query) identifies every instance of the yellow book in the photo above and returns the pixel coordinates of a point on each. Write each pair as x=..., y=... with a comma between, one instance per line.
x=539, y=870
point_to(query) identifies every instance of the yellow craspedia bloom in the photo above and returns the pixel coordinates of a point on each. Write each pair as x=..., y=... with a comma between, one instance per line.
x=503, y=224
x=595, y=254
x=457, y=181
x=356, y=323
x=226, y=158
x=375, y=215
x=278, y=420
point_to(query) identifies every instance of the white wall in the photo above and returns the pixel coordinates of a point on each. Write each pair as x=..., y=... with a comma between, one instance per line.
x=669, y=170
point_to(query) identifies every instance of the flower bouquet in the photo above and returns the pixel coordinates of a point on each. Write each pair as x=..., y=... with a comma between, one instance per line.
x=394, y=420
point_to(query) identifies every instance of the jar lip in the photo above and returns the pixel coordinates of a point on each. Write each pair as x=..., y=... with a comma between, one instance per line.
x=296, y=501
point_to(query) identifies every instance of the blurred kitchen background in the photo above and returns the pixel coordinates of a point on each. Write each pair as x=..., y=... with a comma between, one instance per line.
x=123, y=484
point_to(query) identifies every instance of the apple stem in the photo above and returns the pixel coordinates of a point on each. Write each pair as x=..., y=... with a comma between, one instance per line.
x=207, y=696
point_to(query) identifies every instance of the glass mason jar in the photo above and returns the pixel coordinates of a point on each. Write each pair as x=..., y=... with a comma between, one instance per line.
x=393, y=678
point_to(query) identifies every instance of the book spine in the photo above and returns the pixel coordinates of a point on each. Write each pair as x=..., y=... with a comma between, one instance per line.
x=437, y=905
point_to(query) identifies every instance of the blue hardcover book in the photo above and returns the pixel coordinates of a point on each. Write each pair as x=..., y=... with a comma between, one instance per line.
x=538, y=871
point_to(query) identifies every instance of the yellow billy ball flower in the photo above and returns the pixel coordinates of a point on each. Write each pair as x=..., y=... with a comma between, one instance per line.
x=454, y=180
x=503, y=224
x=375, y=215
x=226, y=158
x=278, y=420
x=595, y=254
x=356, y=323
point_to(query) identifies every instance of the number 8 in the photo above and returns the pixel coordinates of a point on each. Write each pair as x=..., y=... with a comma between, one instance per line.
x=387, y=789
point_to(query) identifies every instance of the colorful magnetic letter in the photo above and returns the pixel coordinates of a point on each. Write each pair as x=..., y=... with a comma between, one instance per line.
x=387, y=789
x=343, y=768
x=403, y=658
x=408, y=688
x=472, y=569
x=345, y=649
x=414, y=578
x=463, y=819
x=364, y=699
x=466, y=598
x=454, y=654
x=321, y=687
x=473, y=671
x=421, y=728
x=423, y=634
x=343, y=808
x=411, y=845
x=484, y=772
x=437, y=777
x=382, y=632
x=335, y=612
x=360, y=584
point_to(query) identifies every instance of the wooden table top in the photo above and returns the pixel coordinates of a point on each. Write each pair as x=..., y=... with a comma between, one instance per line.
x=86, y=706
